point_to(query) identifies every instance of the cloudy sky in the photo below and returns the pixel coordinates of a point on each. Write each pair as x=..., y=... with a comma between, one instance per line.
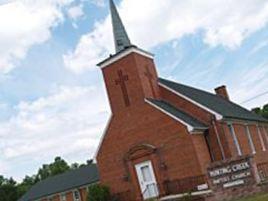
x=52, y=97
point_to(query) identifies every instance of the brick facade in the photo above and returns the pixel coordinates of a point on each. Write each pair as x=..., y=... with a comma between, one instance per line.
x=139, y=132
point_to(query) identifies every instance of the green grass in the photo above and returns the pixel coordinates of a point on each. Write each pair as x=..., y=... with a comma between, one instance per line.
x=262, y=197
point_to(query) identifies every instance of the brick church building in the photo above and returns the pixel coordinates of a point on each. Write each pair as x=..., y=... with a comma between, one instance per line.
x=164, y=138
x=163, y=135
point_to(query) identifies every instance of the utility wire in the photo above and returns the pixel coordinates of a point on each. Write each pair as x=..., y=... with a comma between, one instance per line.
x=254, y=97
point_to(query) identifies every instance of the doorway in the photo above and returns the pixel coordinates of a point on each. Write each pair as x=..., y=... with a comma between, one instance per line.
x=147, y=181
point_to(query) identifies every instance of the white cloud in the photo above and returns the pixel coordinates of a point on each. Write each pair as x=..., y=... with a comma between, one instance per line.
x=68, y=122
x=225, y=23
x=91, y=49
x=25, y=23
x=75, y=12
x=258, y=47
x=248, y=84
x=97, y=2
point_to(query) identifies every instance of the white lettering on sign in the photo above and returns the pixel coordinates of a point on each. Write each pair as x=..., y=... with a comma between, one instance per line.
x=220, y=171
x=241, y=166
x=234, y=183
x=231, y=174
x=229, y=169
x=221, y=180
x=241, y=175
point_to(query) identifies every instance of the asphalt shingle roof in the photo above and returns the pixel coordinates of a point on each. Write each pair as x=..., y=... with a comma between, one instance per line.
x=60, y=183
x=167, y=107
x=226, y=108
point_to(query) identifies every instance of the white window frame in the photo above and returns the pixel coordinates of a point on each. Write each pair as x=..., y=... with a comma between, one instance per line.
x=261, y=137
x=265, y=132
x=236, y=142
x=63, y=195
x=79, y=199
x=250, y=140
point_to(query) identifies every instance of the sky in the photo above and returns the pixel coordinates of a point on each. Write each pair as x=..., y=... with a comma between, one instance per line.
x=52, y=96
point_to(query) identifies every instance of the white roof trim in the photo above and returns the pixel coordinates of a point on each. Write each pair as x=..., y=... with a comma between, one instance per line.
x=125, y=53
x=102, y=137
x=217, y=115
x=189, y=127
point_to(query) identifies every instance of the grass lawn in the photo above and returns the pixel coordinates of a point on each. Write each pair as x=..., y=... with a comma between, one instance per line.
x=262, y=197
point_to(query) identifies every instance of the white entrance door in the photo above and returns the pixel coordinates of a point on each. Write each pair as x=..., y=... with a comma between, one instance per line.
x=147, y=180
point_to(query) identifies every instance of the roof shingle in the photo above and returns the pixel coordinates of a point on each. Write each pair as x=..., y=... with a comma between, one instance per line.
x=226, y=108
x=60, y=183
x=167, y=107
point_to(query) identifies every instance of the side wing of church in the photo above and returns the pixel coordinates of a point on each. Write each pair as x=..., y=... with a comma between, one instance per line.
x=163, y=135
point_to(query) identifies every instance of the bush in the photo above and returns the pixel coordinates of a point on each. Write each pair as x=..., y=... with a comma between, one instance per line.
x=187, y=197
x=98, y=192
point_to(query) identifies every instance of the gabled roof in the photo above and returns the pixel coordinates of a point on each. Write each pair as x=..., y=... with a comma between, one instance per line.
x=191, y=123
x=61, y=183
x=227, y=109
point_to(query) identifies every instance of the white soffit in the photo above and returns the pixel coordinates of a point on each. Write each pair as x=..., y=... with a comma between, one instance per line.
x=125, y=53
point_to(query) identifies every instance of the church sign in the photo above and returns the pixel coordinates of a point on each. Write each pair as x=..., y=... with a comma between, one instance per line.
x=231, y=173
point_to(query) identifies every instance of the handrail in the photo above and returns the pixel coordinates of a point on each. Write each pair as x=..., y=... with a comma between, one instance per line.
x=184, y=185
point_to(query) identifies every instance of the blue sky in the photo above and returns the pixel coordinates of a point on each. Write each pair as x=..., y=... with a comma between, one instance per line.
x=52, y=96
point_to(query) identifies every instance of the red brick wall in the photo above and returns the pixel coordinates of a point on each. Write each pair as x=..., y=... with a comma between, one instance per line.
x=83, y=194
x=232, y=148
x=264, y=136
x=242, y=138
x=145, y=124
x=56, y=198
x=203, y=116
x=138, y=85
x=186, y=106
x=69, y=195
x=202, y=151
x=239, y=127
x=225, y=139
x=255, y=138
x=144, y=65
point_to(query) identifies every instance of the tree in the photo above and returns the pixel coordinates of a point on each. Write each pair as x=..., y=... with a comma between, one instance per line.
x=26, y=184
x=262, y=111
x=8, y=190
x=12, y=191
x=98, y=192
x=59, y=166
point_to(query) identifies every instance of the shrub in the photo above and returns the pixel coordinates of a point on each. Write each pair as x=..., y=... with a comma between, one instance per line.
x=98, y=192
x=187, y=197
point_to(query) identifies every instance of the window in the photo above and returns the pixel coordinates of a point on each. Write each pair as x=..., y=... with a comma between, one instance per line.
x=232, y=131
x=265, y=130
x=252, y=147
x=63, y=197
x=261, y=138
x=76, y=195
x=50, y=199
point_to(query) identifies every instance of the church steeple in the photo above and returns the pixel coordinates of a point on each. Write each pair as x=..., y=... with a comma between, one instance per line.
x=121, y=38
x=130, y=75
